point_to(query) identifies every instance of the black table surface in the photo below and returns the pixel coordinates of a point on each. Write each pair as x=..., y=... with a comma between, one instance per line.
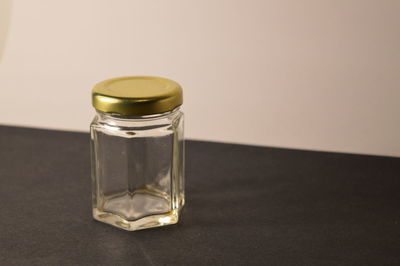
x=246, y=205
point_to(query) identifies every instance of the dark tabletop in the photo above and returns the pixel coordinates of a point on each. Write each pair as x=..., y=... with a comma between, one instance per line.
x=246, y=205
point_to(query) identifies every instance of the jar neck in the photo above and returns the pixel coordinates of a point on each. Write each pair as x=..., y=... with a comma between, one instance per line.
x=116, y=119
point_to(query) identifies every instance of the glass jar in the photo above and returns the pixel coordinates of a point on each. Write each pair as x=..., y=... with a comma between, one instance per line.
x=137, y=149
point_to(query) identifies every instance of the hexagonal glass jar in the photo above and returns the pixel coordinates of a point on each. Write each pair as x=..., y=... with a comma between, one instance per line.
x=137, y=166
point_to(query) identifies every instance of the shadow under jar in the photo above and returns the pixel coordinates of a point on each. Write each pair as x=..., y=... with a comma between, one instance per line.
x=137, y=149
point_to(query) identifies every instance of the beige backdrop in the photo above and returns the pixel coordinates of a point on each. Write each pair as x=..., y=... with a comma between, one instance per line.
x=305, y=74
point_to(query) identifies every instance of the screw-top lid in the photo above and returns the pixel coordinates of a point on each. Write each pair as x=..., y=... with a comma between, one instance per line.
x=136, y=95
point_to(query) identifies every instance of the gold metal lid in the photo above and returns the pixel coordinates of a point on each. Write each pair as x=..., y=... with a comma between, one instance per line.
x=136, y=95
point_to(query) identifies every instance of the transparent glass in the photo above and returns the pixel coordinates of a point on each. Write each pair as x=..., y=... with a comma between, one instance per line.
x=137, y=169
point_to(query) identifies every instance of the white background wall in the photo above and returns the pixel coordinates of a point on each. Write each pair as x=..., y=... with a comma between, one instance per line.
x=305, y=74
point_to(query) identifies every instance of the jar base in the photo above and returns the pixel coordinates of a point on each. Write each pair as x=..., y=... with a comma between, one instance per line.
x=139, y=224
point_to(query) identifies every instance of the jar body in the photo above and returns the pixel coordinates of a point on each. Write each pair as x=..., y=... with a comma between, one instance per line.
x=137, y=169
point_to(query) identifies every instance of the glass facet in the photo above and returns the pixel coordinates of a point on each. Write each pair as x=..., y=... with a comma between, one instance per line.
x=137, y=169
